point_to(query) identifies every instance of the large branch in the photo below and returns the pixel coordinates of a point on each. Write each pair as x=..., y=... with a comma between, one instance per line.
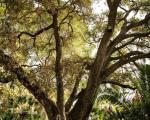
x=123, y=33
x=73, y=95
x=127, y=55
x=137, y=35
x=112, y=47
x=118, y=84
x=13, y=67
x=122, y=37
x=100, y=58
x=38, y=32
x=136, y=24
x=125, y=60
x=58, y=68
x=124, y=45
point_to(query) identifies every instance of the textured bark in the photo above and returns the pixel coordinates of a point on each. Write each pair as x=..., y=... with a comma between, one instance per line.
x=58, y=69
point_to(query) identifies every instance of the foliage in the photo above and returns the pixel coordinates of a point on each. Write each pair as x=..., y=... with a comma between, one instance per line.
x=17, y=104
x=136, y=108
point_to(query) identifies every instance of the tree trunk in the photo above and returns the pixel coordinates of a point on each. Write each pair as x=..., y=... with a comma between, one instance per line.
x=83, y=107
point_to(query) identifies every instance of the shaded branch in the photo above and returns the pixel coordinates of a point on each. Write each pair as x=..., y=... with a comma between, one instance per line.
x=140, y=45
x=127, y=12
x=68, y=15
x=124, y=45
x=136, y=24
x=118, y=84
x=13, y=67
x=137, y=35
x=127, y=55
x=38, y=32
x=73, y=95
x=123, y=33
x=121, y=37
x=125, y=60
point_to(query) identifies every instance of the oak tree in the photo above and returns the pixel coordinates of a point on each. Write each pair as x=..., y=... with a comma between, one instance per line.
x=48, y=47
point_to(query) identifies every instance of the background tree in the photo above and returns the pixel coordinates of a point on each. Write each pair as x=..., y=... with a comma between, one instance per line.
x=47, y=46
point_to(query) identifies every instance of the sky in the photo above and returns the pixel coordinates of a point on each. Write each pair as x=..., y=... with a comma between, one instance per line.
x=99, y=6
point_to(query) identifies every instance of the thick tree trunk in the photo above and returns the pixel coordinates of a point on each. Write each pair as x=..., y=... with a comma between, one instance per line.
x=85, y=102
x=83, y=107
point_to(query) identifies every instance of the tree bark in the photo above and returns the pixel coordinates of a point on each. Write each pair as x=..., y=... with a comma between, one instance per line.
x=58, y=69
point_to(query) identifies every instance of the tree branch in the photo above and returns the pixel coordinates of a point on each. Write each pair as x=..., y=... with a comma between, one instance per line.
x=127, y=55
x=13, y=67
x=127, y=12
x=125, y=60
x=122, y=35
x=38, y=32
x=74, y=92
x=118, y=84
x=137, y=35
x=142, y=22
x=58, y=68
x=124, y=45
